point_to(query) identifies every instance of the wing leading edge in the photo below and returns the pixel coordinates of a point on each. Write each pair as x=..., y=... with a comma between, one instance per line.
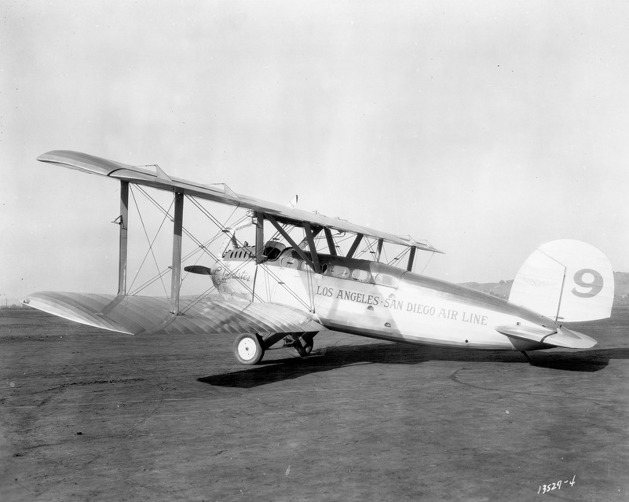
x=142, y=314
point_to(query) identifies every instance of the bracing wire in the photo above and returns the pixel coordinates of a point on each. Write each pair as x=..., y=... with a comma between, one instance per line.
x=162, y=273
x=189, y=234
x=368, y=247
x=150, y=250
x=428, y=262
x=399, y=256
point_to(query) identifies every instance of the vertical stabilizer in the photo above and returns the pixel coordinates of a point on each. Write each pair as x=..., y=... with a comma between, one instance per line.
x=566, y=280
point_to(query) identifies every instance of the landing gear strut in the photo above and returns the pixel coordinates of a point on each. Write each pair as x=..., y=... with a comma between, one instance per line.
x=303, y=347
x=303, y=344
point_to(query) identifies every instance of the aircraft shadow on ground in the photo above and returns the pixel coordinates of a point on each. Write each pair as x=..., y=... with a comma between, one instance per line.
x=331, y=358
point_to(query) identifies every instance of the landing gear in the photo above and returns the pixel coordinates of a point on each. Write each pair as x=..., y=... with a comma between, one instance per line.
x=301, y=344
x=308, y=347
x=303, y=350
x=248, y=349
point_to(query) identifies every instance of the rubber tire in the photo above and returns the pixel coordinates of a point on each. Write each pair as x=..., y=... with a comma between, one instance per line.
x=308, y=347
x=248, y=349
x=303, y=350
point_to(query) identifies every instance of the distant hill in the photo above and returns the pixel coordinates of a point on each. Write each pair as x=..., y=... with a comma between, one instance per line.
x=12, y=306
x=501, y=289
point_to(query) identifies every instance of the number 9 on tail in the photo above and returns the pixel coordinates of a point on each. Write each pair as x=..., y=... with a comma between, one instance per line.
x=566, y=280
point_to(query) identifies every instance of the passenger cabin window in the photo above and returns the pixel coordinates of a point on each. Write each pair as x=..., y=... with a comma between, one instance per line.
x=361, y=275
x=387, y=280
x=339, y=271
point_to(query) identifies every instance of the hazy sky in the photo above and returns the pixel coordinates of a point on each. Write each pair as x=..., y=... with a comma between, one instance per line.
x=486, y=127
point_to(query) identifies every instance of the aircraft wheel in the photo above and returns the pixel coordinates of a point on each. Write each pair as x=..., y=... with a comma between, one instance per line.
x=248, y=349
x=308, y=347
x=305, y=349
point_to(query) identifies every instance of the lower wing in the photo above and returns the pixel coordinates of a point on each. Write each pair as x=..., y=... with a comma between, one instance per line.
x=141, y=314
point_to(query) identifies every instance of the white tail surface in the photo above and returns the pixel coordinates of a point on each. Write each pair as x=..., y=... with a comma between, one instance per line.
x=566, y=280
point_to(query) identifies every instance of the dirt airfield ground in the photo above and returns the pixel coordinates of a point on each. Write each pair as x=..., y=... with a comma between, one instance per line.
x=91, y=415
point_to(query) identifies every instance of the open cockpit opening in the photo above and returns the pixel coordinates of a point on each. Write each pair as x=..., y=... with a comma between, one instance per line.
x=273, y=249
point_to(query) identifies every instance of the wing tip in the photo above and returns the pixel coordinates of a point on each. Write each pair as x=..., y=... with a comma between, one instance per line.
x=68, y=306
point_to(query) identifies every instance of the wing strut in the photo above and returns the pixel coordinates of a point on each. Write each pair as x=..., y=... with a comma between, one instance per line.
x=175, y=284
x=411, y=259
x=311, y=245
x=352, y=250
x=124, y=229
x=379, y=252
x=259, y=220
x=295, y=246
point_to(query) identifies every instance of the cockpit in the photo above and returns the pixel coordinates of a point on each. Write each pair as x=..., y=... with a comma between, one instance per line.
x=273, y=250
x=338, y=267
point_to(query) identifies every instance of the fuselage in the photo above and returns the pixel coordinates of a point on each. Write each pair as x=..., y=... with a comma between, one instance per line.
x=376, y=300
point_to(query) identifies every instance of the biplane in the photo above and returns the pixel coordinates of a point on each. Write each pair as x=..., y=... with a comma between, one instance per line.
x=297, y=279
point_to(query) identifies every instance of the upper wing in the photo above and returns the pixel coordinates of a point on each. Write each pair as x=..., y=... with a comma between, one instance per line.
x=217, y=193
x=142, y=314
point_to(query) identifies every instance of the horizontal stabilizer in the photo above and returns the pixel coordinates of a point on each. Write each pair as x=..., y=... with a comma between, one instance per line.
x=530, y=333
x=560, y=337
x=143, y=314
x=570, y=339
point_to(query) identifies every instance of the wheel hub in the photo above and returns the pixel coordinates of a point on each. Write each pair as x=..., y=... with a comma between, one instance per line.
x=247, y=349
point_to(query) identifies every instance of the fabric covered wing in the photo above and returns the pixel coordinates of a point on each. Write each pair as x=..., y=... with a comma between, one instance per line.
x=217, y=193
x=142, y=314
